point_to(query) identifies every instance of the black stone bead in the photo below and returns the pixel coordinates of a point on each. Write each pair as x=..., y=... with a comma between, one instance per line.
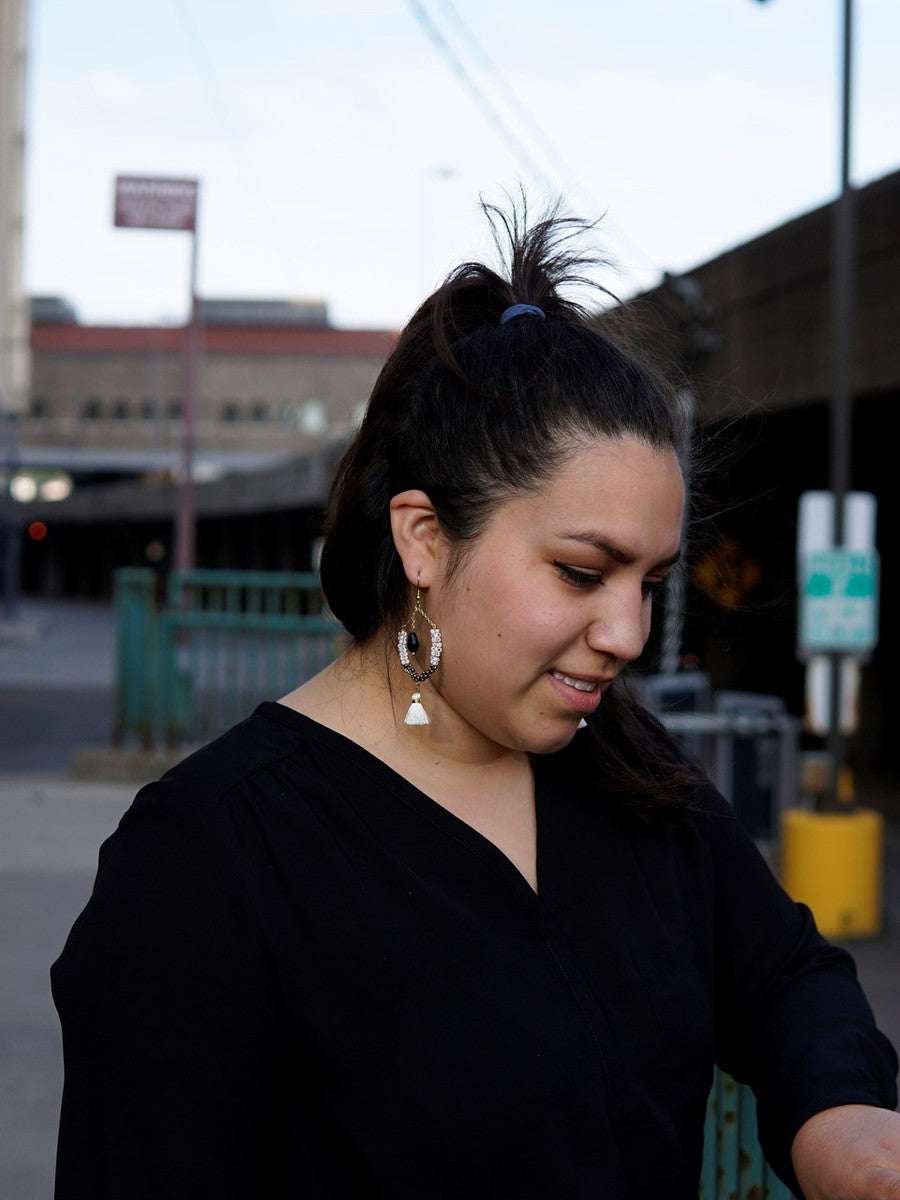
x=412, y=642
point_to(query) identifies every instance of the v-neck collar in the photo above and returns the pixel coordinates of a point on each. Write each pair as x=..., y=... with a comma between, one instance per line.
x=391, y=780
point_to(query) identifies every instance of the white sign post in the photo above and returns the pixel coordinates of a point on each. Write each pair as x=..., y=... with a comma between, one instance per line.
x=838, y=604
x=153, y=202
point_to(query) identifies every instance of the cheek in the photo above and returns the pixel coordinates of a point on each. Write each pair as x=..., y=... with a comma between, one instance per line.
x=496, y=614
x=523, y=618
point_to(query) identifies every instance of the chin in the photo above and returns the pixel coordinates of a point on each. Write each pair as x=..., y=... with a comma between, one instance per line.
x=552, y=740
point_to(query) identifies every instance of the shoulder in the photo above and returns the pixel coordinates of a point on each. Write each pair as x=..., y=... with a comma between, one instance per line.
x=235, y=793
x=252, y=756
x=201, y=838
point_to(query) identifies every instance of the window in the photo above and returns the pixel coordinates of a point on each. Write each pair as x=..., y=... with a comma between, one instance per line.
x=91, y=409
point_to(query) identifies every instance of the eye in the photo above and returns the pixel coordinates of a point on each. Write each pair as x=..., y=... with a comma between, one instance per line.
x=653, y=587
x=578, y=577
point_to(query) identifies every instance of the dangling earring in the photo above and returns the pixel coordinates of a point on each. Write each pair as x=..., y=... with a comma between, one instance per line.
x=408, y=643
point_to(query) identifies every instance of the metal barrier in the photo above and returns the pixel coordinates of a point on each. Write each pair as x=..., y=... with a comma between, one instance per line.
x=136, y=660
x=733, y=1164
x=747, y=743
x=221, y=642
x=751, y=754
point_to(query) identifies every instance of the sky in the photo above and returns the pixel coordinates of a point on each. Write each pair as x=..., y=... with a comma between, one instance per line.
x=343, y=147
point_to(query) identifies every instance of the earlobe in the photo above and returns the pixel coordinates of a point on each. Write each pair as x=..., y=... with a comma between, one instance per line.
x=417, y=535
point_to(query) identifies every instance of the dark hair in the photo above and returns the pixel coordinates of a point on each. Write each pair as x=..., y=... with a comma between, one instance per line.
x=474, y=411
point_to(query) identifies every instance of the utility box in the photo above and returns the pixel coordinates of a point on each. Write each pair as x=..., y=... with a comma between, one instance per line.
x=679, y=692
x=746, y=742
x=757, y=764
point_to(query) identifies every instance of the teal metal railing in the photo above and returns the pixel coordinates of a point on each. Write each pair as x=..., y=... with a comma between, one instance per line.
x=219, y=642
x=734, y=1167
x=136, y=661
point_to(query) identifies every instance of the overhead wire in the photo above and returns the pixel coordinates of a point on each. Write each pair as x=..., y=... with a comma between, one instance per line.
x=550, y=150
x=236, y=144
x=564, y=171
x=459, y=68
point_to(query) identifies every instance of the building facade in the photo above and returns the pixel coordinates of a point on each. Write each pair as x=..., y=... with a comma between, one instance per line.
x=14, y=355
x=273, y=377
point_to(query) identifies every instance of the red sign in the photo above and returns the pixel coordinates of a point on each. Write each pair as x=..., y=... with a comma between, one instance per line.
x=153, y=202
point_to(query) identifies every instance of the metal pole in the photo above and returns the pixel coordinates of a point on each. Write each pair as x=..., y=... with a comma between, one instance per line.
x=676, y=584
x=185, y=525
x=10, y=528
x=844, y=264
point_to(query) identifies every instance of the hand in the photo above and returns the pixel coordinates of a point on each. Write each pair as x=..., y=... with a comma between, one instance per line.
x=851, y=1152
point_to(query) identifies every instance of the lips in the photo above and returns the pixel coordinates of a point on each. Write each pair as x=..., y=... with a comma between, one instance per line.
x=580, y=696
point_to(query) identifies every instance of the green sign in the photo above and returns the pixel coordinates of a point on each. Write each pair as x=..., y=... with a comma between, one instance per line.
x=839, y=600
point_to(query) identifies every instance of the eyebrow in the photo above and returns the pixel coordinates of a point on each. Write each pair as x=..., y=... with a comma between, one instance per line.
x=616, y=552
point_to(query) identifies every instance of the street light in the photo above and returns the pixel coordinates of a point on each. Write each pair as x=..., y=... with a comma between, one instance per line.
x=10, y=529
x=841, y=414
x=842, y=395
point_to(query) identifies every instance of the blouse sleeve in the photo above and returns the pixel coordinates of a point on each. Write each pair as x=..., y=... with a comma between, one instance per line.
x=170, y=1020
x=792, y=1019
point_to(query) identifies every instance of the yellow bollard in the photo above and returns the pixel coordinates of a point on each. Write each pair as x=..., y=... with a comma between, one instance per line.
x=834, y=863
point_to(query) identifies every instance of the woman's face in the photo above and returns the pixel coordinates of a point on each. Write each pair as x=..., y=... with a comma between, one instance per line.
x=554, y=599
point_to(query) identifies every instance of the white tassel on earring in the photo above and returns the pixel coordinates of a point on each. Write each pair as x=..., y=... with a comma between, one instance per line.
x=408, y=643
x=416, y=714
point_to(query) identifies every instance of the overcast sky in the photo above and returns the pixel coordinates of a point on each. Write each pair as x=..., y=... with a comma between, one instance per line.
x=342, y=145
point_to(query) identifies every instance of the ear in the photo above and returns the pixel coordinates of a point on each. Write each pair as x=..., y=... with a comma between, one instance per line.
x=417, y=537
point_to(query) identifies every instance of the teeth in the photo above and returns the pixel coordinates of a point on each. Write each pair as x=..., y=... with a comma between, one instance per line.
x=580, y=685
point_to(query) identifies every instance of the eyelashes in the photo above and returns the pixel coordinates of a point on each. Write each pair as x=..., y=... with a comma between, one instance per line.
x=577, y=577
x=587, y=579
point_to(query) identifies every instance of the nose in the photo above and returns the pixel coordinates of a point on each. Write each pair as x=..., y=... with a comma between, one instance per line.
x=623, y=627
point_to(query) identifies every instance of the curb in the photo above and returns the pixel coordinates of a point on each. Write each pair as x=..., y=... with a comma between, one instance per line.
x=115, y=764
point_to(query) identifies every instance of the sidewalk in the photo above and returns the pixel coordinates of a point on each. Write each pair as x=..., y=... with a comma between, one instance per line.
x=52, y=825
x=50, y=831
x=56, y=688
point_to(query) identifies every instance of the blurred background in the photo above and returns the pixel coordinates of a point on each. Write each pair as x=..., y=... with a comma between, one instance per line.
x=176, y=396
x=214, y=219
x=174, y=390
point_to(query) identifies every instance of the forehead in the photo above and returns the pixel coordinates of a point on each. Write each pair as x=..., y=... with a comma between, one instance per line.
x=623, y=490
x=624, y=479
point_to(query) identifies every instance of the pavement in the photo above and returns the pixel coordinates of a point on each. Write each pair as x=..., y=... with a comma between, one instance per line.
x=62, y=792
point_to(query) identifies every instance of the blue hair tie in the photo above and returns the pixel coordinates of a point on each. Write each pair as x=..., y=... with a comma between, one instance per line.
x=518, y=310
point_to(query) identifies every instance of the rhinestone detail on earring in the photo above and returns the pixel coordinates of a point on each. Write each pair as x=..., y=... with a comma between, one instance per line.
x=408, y=643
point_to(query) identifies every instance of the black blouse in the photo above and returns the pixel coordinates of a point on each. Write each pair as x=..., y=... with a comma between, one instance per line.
x=300, y=977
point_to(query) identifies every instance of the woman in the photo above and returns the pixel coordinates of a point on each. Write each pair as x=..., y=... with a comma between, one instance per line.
x=454, y=918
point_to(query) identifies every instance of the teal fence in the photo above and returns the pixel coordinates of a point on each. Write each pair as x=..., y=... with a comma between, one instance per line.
x=733, y=1164
x=199, y=658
